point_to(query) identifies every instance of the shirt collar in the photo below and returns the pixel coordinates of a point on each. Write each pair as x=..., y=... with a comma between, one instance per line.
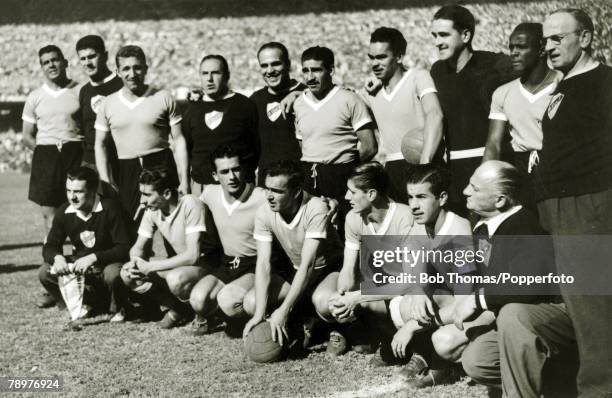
x=106, y=80
x=493, y=223
x=584, y=64
x=96, y=208
x=229, y=94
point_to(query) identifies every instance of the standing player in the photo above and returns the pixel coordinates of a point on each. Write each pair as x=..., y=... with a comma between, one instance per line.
x=181, y=223
x=300, y=223
x=276, y=132
x=465, y=80
x=331, y=122
x=141, y=120
x=233, y=204
x=52, y=127
x=406, y=109
x=222, y=118
x=102, y=82
x=520, y=104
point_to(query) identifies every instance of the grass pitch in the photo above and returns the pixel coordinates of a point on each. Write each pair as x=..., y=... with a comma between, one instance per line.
x=143, y=360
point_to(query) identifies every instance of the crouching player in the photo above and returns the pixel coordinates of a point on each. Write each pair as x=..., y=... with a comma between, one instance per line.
x=301, y=224
x=97, y=230
x=372, y=213
x=233, y=204
x=430, y=307
x=169, y=281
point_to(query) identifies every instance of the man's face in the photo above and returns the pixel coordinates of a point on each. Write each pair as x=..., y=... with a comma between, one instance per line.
x=229, y=174
x=78, y=195
x=151, y=199
x=53, y=65
x=449, y=41
x=214, y=81
x=360, y=200
x=424, y=204
x=91, y=61
x=273, y=69
x=382, y=60
x=480, y=192
x=563, y=44
x=524, y=52
x=280, y=197
x=133, y=72
x=316, y=76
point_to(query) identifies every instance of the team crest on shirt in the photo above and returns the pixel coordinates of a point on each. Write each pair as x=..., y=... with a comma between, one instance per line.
x=95, y=102
x=273, y=110
x=213, y=119
x=554, y=105
x=88, y=238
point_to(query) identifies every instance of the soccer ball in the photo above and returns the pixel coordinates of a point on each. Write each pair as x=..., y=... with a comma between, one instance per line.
x=260, y=347
x=412, y=145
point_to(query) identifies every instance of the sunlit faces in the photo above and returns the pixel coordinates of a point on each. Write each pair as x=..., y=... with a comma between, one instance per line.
x=132, y=72
x=228, y=173
x=274, y=69
x=383, y=61
x=91, y=61
x=525, y=52
x=279, y=195
x=214, y=78
x=449, y=41
x=53, y=65
x=317, y=77
x=564, y=40
x=360, y=200
x=78, y=196
x=424, y=204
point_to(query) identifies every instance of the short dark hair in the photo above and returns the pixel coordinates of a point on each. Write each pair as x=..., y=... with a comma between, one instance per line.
x=461, y=17
x=130, y=51
x=394, y=37
x=82, y=173
x=223, y=152
x=221, y=59
x=318, y=53
x=370, y=175
x=159, y=179
x=93, y=42
x=531, y=29
x=289, y=168
x=278, y=46
x=50, y=48
x=584, y=21
x=437, y=175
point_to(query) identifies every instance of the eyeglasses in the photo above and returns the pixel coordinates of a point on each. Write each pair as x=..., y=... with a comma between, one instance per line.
x=557, y=39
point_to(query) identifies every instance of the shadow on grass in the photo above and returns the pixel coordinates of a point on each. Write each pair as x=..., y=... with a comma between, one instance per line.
x=11, y=268
x=19, y=246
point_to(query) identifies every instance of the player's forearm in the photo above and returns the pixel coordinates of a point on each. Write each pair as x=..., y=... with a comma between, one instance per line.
x=180, y=260
x=368, y=146
x=262, y=285
x=378, y=297
x=182, y=158
x=494, y=140
x=298, y=286
x=433, y=135
x=100, y=149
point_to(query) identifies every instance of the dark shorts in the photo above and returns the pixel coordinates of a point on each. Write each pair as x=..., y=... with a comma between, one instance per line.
x=232, y=268
x=50, y=164
x=527, y=194
x=287, y=273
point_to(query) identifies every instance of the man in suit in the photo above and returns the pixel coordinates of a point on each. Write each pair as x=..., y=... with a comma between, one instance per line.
x=532, y=325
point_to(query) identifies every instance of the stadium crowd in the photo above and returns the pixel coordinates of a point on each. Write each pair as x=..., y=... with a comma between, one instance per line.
x=265, y=203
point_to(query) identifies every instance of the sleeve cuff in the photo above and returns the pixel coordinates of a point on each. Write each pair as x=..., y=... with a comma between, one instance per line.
x=427, y=91
x=481, y=299
x=197, y=228
x=28, y=119
x=498, y=116
x=262, y=238
x=352, y=245
x=315, y=235
x=176, y=120
x=145, y=233
x=101, y=128
x=361, y=123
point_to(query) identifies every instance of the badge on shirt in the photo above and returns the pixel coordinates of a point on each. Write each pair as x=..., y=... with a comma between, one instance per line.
x=88, y=238
x=95, y=102
x=555, y=102
x=213, y=119
x=273, y=110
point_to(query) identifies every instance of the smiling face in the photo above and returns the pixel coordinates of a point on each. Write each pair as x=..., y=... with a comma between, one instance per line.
x=525, y=52
x=132, y=71
x=424, y=204
x=228, y=174
x=274, y=69
x=564, y=40
x=214, y=79
x=78, y=195
x=383, y=61
x=53, y=65
x=448, y=40
x=317, y=77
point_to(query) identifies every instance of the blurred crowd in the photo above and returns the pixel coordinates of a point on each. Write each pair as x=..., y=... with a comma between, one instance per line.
x=175, y=46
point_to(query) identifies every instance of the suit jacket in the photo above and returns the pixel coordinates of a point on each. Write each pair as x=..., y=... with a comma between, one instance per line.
x=520, y=247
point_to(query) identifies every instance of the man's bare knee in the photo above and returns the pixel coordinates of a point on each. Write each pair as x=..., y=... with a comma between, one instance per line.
x=230, y=299
x=248, y=304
